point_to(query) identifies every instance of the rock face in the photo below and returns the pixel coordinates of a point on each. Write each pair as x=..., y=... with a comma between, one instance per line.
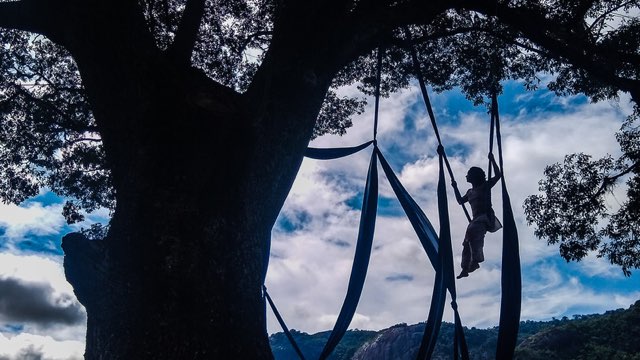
x=613, y=335
x=398, y=343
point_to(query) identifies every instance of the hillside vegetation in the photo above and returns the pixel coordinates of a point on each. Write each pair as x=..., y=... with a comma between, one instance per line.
x=613, y=335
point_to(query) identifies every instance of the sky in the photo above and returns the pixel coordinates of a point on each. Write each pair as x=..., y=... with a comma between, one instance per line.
x=313, y=240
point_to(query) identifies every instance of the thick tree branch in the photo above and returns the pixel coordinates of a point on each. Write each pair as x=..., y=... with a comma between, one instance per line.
x=188, y=29
x=27, y=15
x=552, y=36
x=610, y=180
x=395, y=16
x=600, y=20
x=402, y=43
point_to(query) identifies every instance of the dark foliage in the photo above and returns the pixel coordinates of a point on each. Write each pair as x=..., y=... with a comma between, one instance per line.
x=612, y=335
x=194, y=115
x=572, y=210
x=49, y=136
x=312, y=344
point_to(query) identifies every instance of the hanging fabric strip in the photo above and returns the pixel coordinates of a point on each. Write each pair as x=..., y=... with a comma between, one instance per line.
x=511, y=276
x=334, y=153
x=284, y=327
x=446, y=257
x=434, y=320
x=423, y=228
x=427, y=103
x=427, y=235
x=360, y=261
x=377, y=92
x=460, y=344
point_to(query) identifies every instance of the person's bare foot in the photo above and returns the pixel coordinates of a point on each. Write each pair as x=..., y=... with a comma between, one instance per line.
x=474, y=267
x=463, y=274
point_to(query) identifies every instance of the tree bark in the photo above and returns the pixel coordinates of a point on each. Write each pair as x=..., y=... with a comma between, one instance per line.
x=200, y=171
x=200, y=174
x=180, y=273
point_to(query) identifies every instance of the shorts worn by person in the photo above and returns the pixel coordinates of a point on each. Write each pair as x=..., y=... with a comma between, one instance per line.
x=483, y=216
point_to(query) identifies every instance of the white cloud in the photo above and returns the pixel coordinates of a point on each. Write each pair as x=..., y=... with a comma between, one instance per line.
x=309, y=269
x=31, y=219
x=45, y=273
x=34, y=268
x=308, y=279
x=556, y=294
x=29, y=346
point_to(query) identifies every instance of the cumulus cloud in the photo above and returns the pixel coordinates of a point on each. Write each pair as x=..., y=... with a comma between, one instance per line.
x=314, y=240
x=25, y=302
x=31, y=219
x=309, y=275
x=28, y=346
x=36, y=299
x=40, y=317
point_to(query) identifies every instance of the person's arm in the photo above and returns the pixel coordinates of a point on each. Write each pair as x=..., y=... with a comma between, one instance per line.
x=459, y=198
x=496, y=170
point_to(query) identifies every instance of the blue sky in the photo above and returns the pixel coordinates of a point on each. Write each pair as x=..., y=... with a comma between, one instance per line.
x=313, y=241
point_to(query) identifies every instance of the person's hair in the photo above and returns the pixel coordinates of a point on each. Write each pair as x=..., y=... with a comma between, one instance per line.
x=476, y=174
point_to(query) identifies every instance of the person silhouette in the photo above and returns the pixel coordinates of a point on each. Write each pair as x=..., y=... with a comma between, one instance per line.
x=483, y=216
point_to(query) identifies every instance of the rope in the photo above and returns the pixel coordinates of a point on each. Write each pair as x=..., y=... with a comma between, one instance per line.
x=427, y=102
x=446, y=259
x=360, y=260
x=511, y=278
x=377, y=92
x=284, y=327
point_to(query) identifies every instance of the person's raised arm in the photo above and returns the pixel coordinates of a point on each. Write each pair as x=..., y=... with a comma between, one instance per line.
x=496, y=170
x=459, y=198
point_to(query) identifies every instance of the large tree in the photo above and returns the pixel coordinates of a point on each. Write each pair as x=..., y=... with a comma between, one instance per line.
x=189, y=119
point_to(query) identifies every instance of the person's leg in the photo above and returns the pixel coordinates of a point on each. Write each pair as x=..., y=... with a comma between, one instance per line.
x=476, y=232
x=466, y=255
x=477, y=249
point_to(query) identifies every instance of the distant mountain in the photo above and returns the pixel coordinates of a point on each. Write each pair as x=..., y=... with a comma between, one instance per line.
x=614, y=335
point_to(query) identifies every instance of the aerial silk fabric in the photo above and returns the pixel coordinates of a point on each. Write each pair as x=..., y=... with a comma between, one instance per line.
x=422, y=226
x=284, y=327
x=360, y=261
x=334, y=153
x=446, y=260
x=511, y=283
x=429, y=239
x=438, y=249
x=511, y=280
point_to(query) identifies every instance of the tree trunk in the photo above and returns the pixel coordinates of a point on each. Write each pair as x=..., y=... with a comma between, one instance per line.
x=197, y=302
x=188, y=294
x=200, y=177
x=200, y=174
x=180, y=273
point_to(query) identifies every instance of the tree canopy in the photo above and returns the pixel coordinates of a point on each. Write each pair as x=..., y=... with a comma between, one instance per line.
x=120, y=104
x=572, y=208
x=50, y=138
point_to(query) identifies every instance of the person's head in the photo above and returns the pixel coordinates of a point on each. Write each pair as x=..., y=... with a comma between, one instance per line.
x=476, y=175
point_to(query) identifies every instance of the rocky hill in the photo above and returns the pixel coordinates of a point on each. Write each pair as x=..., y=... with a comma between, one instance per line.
x=613, y=335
